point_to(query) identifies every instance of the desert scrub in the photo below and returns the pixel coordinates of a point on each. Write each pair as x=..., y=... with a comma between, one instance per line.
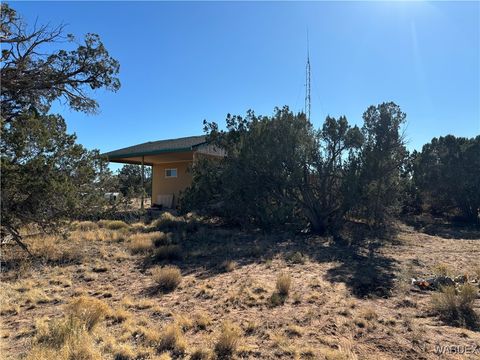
x=283, y=284
x=113, y=224
x=140, y=243
x=229, y=265
x=84, y=225
x=168, y=252
x=228, y=340
x=455, y=306
x=201, y=320
x=88, y=310
x=172, y=339
x=66, y=338
x=201, y=354
x=441, y=269
x=167, y=222
x=167, y=278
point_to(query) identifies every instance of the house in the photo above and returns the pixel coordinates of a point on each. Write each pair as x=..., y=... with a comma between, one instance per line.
x=171, y=161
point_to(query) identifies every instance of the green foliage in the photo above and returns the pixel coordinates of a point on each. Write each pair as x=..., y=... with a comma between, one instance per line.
x=34, y=75
x=47, y=177
x=279, y=170
x=446, y=174
x=383, y=158
x=130, y=180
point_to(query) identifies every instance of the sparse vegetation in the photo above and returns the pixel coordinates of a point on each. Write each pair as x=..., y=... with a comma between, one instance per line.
x=167, y=278
x=455, y=306
x=172, y=339
x=283, y=284
x=227, y=341
x=117, y=313
x=229, y=265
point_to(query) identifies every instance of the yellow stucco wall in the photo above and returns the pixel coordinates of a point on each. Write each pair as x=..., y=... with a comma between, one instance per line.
x=167, y=186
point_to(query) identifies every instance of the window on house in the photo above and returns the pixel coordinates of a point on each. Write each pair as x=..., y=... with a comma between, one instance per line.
x=170, y=173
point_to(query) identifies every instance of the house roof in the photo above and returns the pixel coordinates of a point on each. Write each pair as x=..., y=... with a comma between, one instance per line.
x=158, y=147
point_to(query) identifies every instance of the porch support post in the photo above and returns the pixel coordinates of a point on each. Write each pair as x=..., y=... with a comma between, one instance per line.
x=143, y=182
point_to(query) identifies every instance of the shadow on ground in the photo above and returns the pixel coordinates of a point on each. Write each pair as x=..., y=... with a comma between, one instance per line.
x=444, y=229
x=358, y=261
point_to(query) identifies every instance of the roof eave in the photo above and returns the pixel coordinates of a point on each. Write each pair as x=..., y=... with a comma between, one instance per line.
x=153, y=152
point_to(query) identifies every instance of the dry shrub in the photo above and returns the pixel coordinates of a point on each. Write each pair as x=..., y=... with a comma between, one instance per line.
x=85, y=225
x=167, y=278
x=283, y=284
x=167, y=221
x=65, y=338
x=185, y=322
x=119, y=315
x=368, y=314
x=168, y=252
x=113, y=224
x=171, y=339
x=88, y=310
x=144, y=242
x=140, y=243
x=200, y=354
x=124, y=352
x=441, y=269
x=455, y=306
x=476, y=272
x=294, y=331
x=55, y=249
x=228, y=340
x=296, y=258
x=137, y=227
x=229, y=265
x=202, y=320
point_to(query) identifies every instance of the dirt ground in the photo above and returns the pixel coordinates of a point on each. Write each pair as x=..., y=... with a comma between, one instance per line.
x=346, y=301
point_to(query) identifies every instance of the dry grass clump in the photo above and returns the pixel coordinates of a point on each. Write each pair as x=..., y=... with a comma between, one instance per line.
x=55, y=249
x=145, y=242
x=296, y=258
x=172, y=339
x=201, y=320
x=229, y=265
x=119, y=315
x=228, y=340
x=140, y=243
x=441, y=269
x=167, y=278
x=66, y=338
x=88, y=310
x=283, y=284
x=113, y=224
x=124, y=352
x=85, y=225
x=282, y=289
x=369, y=314
x=137, y=227
x=455, y=306
x=167, y=221
x=168, y=252
x=201, y=354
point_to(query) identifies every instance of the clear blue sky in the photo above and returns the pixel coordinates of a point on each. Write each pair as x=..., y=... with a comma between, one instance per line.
x=185, y=62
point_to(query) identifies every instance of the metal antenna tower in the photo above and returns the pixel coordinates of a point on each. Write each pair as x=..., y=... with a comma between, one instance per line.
x=308, y=102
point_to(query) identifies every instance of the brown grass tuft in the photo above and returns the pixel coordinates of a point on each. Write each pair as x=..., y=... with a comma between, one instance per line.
x=88, y=310
x=167, y=278
x=168, y=252
x=283, y=284
x=228, y=341
x=113, y=224
x=171, y=339
x=229, y=265
x=455, y=307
